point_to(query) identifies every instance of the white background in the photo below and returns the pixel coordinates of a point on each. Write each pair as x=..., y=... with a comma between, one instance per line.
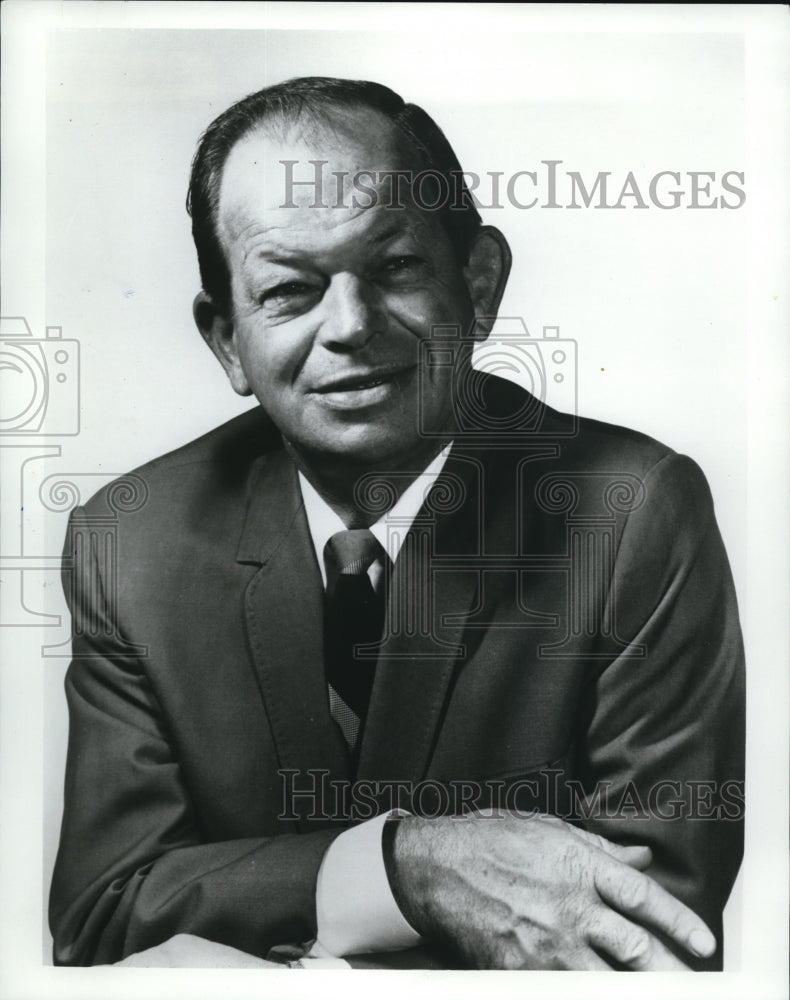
x=677, y=314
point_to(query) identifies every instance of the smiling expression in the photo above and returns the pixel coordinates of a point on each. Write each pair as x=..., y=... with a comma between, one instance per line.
x=331, y=305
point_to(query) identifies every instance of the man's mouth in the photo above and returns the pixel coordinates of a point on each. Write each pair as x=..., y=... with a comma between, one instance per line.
x=361, y=380
x=362, y=388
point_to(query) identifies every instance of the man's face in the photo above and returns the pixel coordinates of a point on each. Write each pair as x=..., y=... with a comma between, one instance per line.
x=331, y=305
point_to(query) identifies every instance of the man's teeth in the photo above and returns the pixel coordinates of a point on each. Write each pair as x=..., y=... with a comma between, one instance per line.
x=370, y=384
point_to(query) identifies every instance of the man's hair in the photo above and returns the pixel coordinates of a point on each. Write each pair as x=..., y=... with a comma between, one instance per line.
x=315, y=97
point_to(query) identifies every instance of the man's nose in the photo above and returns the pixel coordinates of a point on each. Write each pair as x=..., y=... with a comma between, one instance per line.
x=354, y=313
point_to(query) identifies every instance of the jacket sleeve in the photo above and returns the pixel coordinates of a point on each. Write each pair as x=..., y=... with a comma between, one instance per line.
x=664, y=742
x=133, y=868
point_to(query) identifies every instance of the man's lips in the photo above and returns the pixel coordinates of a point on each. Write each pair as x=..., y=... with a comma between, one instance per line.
x=368, y=379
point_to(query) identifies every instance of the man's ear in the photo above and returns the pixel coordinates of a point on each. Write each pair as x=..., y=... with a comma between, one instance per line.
x=486, y=275
x=218, y=331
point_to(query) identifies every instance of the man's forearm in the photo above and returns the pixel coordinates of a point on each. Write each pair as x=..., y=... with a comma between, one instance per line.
x=249, y=894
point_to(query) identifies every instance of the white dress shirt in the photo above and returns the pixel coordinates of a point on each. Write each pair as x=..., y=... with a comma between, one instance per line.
x=355, y=909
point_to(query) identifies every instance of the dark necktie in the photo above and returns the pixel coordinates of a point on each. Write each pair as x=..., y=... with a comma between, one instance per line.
x=354, y=617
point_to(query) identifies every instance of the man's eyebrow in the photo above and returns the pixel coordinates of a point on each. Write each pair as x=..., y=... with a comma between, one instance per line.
x=285, y=257
x=386, y=234
x=279, y=256
x=274, y=257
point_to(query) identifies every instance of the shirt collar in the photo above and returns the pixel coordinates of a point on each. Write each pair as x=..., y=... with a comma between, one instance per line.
x=390, y=529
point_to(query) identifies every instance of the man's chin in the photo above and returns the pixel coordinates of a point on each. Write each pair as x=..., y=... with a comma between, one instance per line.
x=369, y=453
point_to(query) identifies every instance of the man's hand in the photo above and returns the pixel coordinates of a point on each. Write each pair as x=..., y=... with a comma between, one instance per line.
x=536, y=893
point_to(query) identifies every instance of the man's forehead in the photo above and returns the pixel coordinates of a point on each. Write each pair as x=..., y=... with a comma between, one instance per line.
x=368, y=142
x=313, y=178
x=295, y=232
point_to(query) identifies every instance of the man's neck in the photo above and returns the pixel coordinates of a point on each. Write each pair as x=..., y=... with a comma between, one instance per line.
x=339, y=483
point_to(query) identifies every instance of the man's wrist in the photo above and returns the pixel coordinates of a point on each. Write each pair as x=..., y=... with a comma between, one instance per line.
x=403, y=841
x=356, y=911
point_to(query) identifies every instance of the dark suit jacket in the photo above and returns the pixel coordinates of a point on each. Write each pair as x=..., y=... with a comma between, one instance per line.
x=579, y=630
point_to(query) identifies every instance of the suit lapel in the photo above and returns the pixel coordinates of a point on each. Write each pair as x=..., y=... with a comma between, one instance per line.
x=284, y=617
x=423, y=642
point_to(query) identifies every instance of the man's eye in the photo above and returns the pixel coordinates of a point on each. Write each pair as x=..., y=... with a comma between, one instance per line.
x=288, y=291
x=404, y=263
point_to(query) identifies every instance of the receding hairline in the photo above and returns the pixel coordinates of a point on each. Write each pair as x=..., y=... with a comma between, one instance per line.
x=322, y=110
x=339, y=121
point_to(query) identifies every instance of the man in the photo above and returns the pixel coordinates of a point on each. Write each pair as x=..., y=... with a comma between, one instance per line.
x=397, y=583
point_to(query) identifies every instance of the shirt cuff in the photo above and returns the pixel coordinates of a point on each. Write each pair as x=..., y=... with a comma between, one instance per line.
x=356, y=912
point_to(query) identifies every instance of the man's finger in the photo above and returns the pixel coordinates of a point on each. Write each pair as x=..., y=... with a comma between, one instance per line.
x=637, y=856
x=631, y=945
x=637, y=895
